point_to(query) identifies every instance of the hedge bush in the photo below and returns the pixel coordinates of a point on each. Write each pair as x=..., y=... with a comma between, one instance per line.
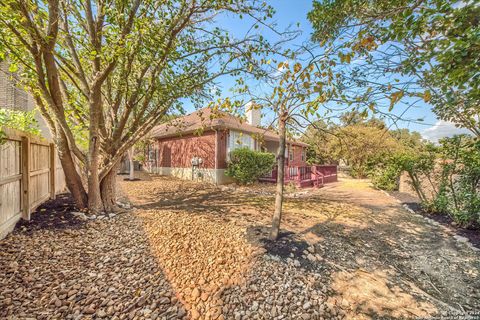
x=452, y=169
x=246, y=166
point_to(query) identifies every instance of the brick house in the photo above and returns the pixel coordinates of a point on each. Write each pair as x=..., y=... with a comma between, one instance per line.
x=197, y=145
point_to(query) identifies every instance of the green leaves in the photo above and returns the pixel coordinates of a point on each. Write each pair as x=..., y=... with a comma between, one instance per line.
x=434, y=46
x=246, y=165
x=20, y=120
x=13, y=67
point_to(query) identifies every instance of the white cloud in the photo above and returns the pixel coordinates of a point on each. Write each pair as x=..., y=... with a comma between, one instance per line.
x=281, y=69
x=442, y=129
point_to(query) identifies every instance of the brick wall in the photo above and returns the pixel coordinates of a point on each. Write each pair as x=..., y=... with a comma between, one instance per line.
x=11, y=96
x=177, y=152
x=222, y=137
x=297, y=157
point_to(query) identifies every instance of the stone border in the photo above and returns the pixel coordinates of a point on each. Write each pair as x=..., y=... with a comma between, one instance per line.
x=458, y=238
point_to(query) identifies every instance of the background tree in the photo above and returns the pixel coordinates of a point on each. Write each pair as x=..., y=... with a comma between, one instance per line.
x=20, y=120
x=104, y=73
x=410, y=51
x=319, y=137
x=361, y=146
x=359, y=142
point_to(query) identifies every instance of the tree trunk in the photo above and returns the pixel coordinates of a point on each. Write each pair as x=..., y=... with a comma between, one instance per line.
x=277, y=216
x=72, y=178
x=93, y=157
x=417, y=186
x=109, y=190
x=131, y=153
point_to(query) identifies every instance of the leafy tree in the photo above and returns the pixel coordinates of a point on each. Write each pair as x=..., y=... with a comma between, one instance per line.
x=319, y=136
x=298, y=94
x=361, y=143
x=354, y=117
x=362, y=146
x=21, y=120
x=104, y=73
x=408, y=139
x=433, y=44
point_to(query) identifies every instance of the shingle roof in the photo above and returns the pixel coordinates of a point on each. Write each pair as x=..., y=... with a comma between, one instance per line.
x=208, y=119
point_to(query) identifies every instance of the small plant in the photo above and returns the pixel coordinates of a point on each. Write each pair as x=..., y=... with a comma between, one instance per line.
x=246, y=166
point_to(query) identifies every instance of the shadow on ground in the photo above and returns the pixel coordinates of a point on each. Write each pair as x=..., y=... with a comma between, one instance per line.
x=374, y=258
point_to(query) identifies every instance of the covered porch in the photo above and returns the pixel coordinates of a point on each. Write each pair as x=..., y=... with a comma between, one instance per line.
x=305, y=176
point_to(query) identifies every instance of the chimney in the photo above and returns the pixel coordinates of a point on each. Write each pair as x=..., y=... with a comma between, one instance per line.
x=253, y=113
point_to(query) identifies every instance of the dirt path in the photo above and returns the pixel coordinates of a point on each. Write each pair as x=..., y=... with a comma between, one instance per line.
x=194, y=251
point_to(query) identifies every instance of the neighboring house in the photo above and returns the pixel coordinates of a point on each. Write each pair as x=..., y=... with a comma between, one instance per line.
x=197, y=146
x=13, y=97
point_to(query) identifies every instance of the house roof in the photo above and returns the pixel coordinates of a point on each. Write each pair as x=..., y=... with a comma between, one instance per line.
x=207, y=119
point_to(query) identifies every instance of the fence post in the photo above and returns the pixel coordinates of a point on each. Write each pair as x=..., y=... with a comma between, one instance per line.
x=26, y=178
x=53, y=171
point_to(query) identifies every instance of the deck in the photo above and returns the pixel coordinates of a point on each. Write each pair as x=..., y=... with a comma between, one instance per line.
x=306, y=176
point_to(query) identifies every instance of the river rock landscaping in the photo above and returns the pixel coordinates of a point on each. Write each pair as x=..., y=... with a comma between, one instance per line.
x=187, y=250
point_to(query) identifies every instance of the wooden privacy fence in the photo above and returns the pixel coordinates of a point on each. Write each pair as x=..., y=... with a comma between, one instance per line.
x=30, y=174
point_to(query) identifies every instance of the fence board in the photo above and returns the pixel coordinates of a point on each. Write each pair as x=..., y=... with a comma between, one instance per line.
x=27, y=176
x=10, y=185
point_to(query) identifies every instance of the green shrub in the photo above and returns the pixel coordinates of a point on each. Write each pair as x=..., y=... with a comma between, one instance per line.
x=386, y=177
x=246, y=166
x=459, y=190
x=446, y=177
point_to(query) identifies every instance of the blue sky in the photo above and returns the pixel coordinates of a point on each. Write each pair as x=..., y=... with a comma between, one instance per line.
x=290, y=12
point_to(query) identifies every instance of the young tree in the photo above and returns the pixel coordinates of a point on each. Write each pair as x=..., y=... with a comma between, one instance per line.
x=104, y=73
x=296, y=97
x=301, y=95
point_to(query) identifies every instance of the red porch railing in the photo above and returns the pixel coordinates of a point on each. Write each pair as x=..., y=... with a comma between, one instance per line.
x=305, y=176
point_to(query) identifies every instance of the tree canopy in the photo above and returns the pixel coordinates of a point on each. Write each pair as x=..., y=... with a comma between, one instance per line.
x=104, y=73
x=409, y=50
x=357, y=142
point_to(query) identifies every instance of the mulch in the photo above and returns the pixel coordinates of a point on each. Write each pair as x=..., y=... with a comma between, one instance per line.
x=54, y=214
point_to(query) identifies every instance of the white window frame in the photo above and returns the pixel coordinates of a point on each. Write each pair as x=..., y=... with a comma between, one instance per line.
x=239, y=139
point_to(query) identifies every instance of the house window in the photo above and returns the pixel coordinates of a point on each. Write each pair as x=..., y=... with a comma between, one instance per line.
x=238, y=139
x=291, y=154
x=303, y=154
